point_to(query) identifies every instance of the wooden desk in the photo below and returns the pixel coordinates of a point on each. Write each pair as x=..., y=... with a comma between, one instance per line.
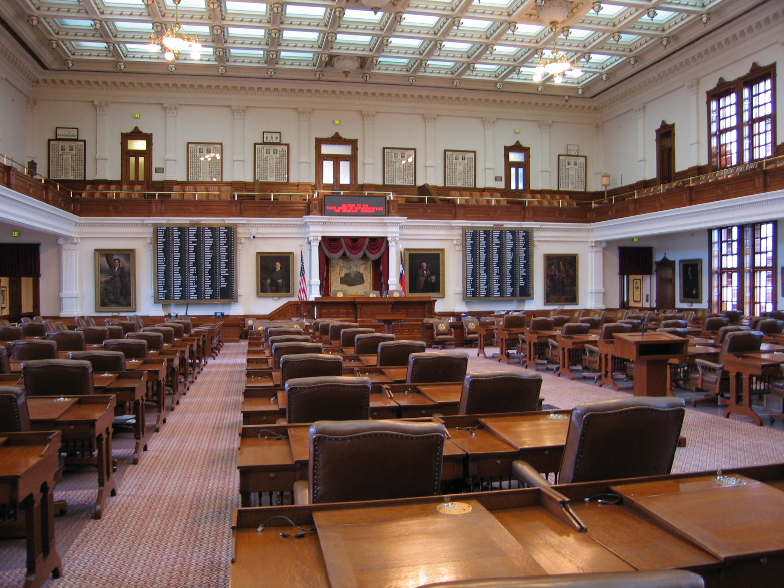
x=389, y=318
x=79, y=418
x=567, y=343
x=129, y=387
x=747, y=365
x=650, y=353
x=539, y=437
x=531, y=339
x=362, y=308
x=484, y=330
x=28, y=465
x=156, y=375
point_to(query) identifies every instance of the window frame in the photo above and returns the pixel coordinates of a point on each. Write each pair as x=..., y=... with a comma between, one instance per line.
x=509, y=165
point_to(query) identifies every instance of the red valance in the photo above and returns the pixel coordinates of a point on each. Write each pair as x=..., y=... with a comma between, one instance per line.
x=372, y=247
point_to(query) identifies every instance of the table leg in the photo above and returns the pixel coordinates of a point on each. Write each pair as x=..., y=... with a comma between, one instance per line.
x=480, y=344
x=106, y=482
x=141, y=430
x=42, y=557
x=563, y=357
x=502, y=346
x=740, y=399
x=530, y=356
x=607, y=371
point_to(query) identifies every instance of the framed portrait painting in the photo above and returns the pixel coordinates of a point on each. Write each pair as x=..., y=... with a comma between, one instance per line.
x=560, y=279
x=273, y=274
x=425, y=272
x=690, y=272
x=115, y=280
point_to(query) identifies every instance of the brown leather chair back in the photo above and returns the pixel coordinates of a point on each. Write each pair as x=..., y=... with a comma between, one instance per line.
x=722, y=333
x=276, y=331
x=600, y=314
x=500, y=391
x=395, y=353
x=14, y=416
x=324, y=328
x=593, y=322
x=127, y=326
x=94, y=335
x=34, y=330
x=179, y=330
x=135, y=318
x=272, y=341
x=367, y=343
x=115, y=332
x=154, y=340
x=714, y=323
x=374, y=460
x=673, y=316
x=67, y=340
x=769, y=326
x=673, y=324
x=634, y=324
x=347, y=335
x=166, y=332
x=443, y=366
x=674, y=331
x=327, y=398
x=514, y=321
x=131, y=348
x=309, y=365
x=734, y=316
x=51, y=326
x=634, y=579
x=541, y=323
x=609, y=329
x=741, y=342
x=575, y=329
x=5, y=364
x=26, y=350
x=186, y=324
x=102, y=361
x=281, y=349
x=559, y=320
x=57, y=377
x=470, y=325
x=622, y=438
x=11, y=333
x=336, y=328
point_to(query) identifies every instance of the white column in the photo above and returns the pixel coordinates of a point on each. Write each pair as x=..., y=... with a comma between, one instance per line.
x=369, y=119
x=101, y=140
x=544, y=131
x=70, y=300
x=394, y=263
x=170, y=168
x=596, y=274
x=694, y=125
x=430, y=148
x=460, y=305
x=601, y=165
x=641, y=159
x=239, y=144
x=31, y=132
x=305, y=146
x=315, y=282
x=489, y=143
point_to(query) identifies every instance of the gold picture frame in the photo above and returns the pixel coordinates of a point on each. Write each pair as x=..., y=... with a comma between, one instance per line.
x=427, y=279
x=690, y=277
x=115, y=280
x=275, y=275
x=561, y=285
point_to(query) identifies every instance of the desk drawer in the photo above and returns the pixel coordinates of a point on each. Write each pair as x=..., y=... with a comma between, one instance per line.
x=280, y=481
x=490, y=467
x=388, y=412
x=543, y=460
x=262, y=418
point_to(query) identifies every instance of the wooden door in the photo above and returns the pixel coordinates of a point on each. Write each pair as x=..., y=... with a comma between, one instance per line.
x=336, y=161
x=665, y=153
x=136, y=151
x=665, y=283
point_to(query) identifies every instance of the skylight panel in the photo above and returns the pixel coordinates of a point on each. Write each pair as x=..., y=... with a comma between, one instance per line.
x=495, y=2
x=485, y=67
x=626, y=38
x=243, y=32
x=306, y=11
x=187, y=4
x=392, y=61
x=364, y=15
x=114, y=2
x=196, y=29
x=258, y=53
x=137, y=47
x=661, y=16
x=441, y=64
x=89, y=45
x=454, y=46
x=505, y=49
x=405, y=42
x=579, y=34
x=72, y=22
x=599, y=58
x=296, y=55
x=255, y=7
x=300, y=36
x=610, y=10
x=343, y=38
x=472, y=23
x=527, y=29
x=420, y=20
x=132, y=26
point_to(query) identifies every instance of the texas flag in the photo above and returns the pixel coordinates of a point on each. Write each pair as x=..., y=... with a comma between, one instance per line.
x=402, y=274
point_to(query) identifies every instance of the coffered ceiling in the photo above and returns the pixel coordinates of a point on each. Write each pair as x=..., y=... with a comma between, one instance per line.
x=470, y=44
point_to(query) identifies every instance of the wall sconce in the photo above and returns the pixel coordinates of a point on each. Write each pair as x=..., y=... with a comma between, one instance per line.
x=605, y=185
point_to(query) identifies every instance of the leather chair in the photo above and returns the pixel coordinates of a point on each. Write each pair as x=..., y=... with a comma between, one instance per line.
x=68, y=340
x=102, y=361
x=734, y=316
x=14, y=415
x=51, y=326
x=179, y=330
x=540, y=323
x=275, y=331
x=678, y=331
x=714, y=323
x=500, y=391
x=711, y=376
x=167, y=332
x=514, y=321
x=27, y=319
x=592, y=357
x=593, y=322
x=94, y=335
x=395, y=353
x=444, y=366
x=5, y=364
x=336, y=328
x=186, y=324
x=131, y=348
x=470, y=332
x=600, y=314
x=11, y=333
x=281, y=349
x=347, y=335
x=127, y=326
x=34, y=330
x=57, y=377
x=559, y=320
x=309, y=365
x=769, y=326
x=372, y=460
x=576, y=355
x=635, y=579
x=367, y=343
x=25, y=350
x=272, y=341
x=135, y=318
x=721, y=334
x=635, y=324
x=372, y=293
x=327, y=398
x=395, y=293
x=442, y=334
x=323, y=330
x=614, y=439
x=154, y=340
x=673, y=324
x=339, y=293
x=673, y=316
x=115, y=332
x=5, y=323
x=84, y=321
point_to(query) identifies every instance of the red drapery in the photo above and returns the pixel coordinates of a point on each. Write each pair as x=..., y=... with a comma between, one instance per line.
x=372, y=247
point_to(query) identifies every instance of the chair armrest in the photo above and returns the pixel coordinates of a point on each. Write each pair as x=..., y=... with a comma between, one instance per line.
x=591, y=348
x=301, y=492
x=704, y=363
x=528, y=475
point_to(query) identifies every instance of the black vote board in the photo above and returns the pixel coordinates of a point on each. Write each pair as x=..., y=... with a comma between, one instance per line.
x=498, y=264
x=195, y=263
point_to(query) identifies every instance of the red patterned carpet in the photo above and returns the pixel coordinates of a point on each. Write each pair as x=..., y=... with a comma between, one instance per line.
x=169, y=525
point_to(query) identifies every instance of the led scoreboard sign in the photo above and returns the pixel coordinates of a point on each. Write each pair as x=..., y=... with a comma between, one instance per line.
x=340, y=205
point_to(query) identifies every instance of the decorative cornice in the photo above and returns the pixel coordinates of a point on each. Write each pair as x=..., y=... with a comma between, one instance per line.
x=16, y=64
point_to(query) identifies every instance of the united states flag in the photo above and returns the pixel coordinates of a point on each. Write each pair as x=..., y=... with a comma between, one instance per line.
x=402, y=274
x=302, y=294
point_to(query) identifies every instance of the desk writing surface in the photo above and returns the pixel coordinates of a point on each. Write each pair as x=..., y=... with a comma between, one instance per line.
x=396, y=374
x=480, y=442
x=48, y=408
x=265, y=451
x=524, y=431
x=299, y=437
x=728, y=521
x=442, y=393
x=411, y=545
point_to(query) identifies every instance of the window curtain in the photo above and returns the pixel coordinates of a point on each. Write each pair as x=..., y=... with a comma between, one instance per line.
x=372, y=247
x=635, y=261
x=20, y=260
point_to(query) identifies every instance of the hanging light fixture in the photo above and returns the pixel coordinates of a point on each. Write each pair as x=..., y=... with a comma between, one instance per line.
x=174, y=40
x=556, y=64
x=375, y=5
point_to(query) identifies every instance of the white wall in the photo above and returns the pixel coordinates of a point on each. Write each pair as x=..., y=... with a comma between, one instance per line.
x=13, y=123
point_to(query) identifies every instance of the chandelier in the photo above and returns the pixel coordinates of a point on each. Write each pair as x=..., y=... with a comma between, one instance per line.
x=174, y=40
x=556, y=64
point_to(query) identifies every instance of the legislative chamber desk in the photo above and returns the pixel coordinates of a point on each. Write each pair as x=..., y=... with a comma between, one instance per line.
x=650, y=353
x=28, y=465
x=658, y=523
x=365, y=308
